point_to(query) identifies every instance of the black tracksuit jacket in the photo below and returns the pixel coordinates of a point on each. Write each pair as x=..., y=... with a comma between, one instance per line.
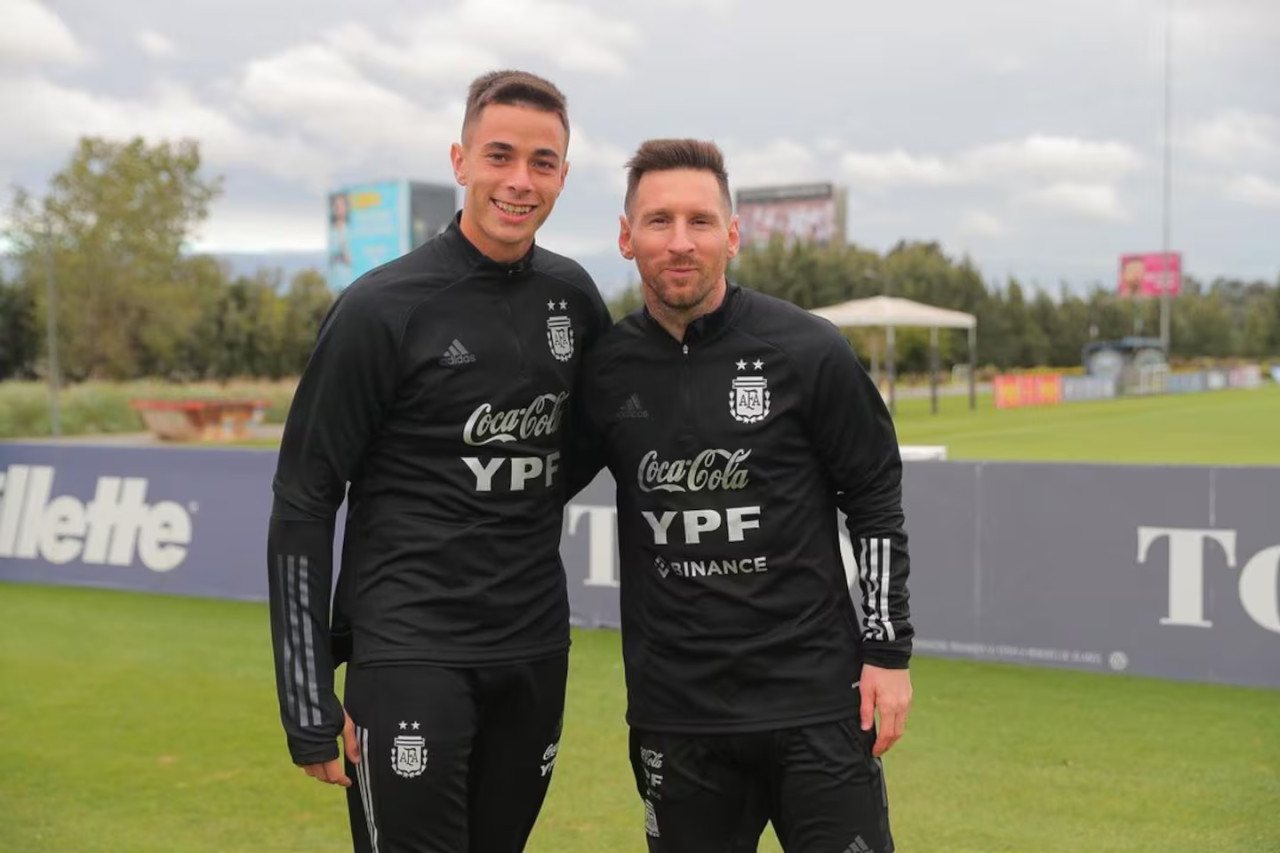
x=437, y=389
x=733, y=451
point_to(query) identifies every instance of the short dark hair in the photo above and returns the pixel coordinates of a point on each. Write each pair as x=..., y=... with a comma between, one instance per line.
x=514, y=88
x=662, y=155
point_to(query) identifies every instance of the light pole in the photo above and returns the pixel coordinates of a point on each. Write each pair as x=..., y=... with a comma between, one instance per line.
x=1166, y=224
x=51, y=330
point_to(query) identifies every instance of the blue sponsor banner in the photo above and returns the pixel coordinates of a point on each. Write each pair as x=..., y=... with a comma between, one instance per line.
x=1187, y=383
x=185, y=521
x=1188, y=556
x=368, y=226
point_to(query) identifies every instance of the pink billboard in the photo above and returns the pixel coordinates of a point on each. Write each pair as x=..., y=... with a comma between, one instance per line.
x=811, y=213
x=1150, y=274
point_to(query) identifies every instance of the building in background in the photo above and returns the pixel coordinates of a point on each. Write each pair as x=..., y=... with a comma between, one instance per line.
x=372, y=223
x=811, y=213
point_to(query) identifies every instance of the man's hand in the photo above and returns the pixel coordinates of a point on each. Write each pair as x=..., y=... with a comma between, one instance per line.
x=887, y=691
x=332, y=771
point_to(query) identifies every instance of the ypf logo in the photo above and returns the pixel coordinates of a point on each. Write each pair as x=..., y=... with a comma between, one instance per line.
x=116, y=528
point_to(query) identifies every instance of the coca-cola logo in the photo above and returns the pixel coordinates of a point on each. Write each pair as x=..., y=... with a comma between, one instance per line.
x=541, y=417
x=710, y=470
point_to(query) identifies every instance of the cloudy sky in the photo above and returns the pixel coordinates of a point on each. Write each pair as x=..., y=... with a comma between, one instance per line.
x=1027, y=135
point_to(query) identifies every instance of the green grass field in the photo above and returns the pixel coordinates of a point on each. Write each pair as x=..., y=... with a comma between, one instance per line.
x=1237, y=427
x=137, y=723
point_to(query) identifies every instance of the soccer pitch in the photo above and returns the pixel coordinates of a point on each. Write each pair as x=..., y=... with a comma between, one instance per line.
x=147, y=724
x=1236, y=427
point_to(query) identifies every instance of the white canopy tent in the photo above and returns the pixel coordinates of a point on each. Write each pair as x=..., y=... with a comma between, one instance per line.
x=892, y=312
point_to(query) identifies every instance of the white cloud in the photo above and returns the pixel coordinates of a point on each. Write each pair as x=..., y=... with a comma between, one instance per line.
x=570, y=36
x=603, y=159
x=1221, y=27
x=237, y=226
x=445, y=61
x=1086, y=201
x=54, y=116
x=317, y=92
x=155, y=45
x=1036, y=157
x=324, y=96
x=1053, y=158
x=720, y=6
x=1255, y=190
x=979, y=223
x=1235, y=135
x=32, y=34
x=896, y=168
x=458, y=44
x=782, y=161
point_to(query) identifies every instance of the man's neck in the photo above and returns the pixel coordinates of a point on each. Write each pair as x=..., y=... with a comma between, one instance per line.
x=498, y=252
x=677, y=320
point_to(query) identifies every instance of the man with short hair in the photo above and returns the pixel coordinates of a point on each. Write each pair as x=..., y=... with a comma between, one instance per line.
x=437, y=390
x=736, y=425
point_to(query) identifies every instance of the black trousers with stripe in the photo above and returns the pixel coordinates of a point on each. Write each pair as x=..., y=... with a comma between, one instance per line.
x=454, y=760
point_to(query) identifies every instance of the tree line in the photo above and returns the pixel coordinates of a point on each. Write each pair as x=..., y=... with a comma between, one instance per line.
x=107, y=246
x=1018, y=327
x=109, y=241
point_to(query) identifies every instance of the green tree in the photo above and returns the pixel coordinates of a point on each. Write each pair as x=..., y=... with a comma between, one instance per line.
x=18, y=338
x=114, y=222
x=306, y=303
x=627, y=301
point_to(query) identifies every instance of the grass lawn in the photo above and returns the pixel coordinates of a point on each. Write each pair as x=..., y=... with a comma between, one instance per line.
x=1236, y=427
x=148, y=723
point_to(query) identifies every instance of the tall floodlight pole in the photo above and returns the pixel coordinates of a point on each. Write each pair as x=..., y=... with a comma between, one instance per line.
x=51, y=332
x=1166, y=224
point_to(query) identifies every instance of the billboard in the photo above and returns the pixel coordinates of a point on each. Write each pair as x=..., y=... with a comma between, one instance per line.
x=1012, y=391
x=1151, y=274
x=371, y=224
x=807, y=212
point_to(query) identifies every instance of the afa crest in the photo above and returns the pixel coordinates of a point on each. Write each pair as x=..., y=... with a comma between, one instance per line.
x=409, y=756
x=749, y=399
x=560, y=337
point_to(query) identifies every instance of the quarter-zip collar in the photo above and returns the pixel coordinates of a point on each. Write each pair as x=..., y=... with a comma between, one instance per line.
x=706, y=327
x=454, y=233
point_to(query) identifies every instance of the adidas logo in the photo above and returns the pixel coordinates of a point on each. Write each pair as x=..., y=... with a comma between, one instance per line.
x=858, y=846
x=456, y=355
x=632, y=408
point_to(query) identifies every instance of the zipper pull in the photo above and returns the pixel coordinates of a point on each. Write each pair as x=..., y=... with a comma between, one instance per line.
x=685, y=347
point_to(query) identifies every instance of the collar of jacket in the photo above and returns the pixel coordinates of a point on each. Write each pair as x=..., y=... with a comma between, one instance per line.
x=707, y=326
x=454, y=234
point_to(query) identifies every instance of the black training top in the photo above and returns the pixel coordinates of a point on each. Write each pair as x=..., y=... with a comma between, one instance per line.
x=438, y=387
x=733, y=452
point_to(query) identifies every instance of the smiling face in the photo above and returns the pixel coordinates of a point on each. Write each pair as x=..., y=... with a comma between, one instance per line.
x=679, y=231
x=512, y=163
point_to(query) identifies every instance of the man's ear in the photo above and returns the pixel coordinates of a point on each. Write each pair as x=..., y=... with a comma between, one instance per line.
x=459, y=164
x=735, y=238
x=624, y=239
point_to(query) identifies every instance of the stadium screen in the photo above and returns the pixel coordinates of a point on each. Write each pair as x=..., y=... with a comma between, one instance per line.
x=812, y=213
x=1150, y=274
x=371, y=224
